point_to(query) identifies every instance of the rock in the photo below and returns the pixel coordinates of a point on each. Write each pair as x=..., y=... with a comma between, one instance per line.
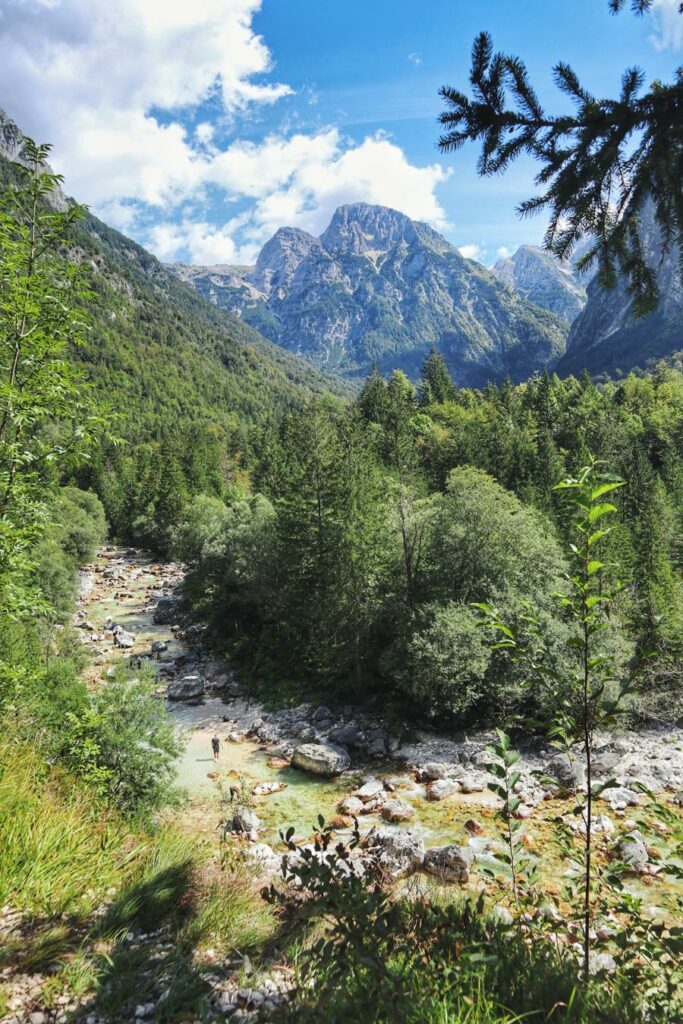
x=603, y=962
x=605, y=761
x=186, y=688
x=266, y=788
x=619, y=798
x=263, y=857
x=474, y=827
x=306, y=733
x=432, y=771
x=569, y=772
x=442, y=788
x=395, y=852
x=347, y=735
x=245, y=820
x=321, y=714
x=502, y=915
x=164, y=612
x=158, y=646
x=123, y=639
x=38, y=1017
x=145, y=1009
x=632, y=851
x=397, y=810
x=321, y=758
x=470, y=785
x=370, y=790
x=351, y=805
x=450, y=863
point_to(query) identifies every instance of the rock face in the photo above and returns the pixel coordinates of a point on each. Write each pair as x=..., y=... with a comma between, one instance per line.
x=544, y=280
x=607, y=338
x=164, y=611
x=321, y=758
x=450, y=863
x=377, y=286
x=186, y=688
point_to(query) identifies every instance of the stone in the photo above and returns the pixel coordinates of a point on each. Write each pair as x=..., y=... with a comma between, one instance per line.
x=123, y=639
x=569, y=771
x=186, y=688
x=347, y=735
x=470, y=785
x=442, y=788
x=321, y=714
x=158, y=646
x=618, y=797
x=164, y=612
x=432, y=771
x=397, y=810
x=502, y=915
x=395, y=852
x=632, y=851
x=603, y=963
x=264, y=858
x=370, y=790
x=351, y=805
x=474, y=827
x=306, y=733
x=245, y=820
x=321, y=758
x=450, y=863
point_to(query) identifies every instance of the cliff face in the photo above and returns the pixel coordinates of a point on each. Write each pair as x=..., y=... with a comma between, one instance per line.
x=379, y=287
x=542, y=279
x=607, y=338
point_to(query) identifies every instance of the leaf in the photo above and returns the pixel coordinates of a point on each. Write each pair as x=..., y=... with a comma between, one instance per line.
x=606, y=488
x=594, y=566
x=598, y=511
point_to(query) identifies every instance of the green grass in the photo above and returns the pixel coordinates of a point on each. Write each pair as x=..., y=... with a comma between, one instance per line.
x=86, y=881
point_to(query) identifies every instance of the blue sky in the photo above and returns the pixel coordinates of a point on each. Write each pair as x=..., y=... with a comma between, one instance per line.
x=200, y=127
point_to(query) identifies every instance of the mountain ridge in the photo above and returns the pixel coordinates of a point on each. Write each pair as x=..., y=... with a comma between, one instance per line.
x=377, y=288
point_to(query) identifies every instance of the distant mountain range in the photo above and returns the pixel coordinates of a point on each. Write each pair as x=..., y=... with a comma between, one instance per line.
x=378, y=287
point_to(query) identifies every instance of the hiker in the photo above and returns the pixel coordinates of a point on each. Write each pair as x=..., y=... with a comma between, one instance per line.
x=216, y=747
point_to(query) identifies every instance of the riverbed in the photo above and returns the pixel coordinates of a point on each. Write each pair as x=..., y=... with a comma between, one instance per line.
x=123, y=587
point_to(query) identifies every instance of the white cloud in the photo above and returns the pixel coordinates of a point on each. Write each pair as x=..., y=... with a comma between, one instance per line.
x=415, y=59
x=115, y=87
x=470, y=252
x=668, y=25
x=504, y=253
x=299, y=181
x=88, y=74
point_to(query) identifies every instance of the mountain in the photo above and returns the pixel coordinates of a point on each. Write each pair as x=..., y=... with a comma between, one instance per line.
x=607, y=339
x=158, y=350
x=378, y=287
x=542, y=279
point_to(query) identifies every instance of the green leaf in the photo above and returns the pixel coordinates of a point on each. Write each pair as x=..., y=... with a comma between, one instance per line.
x=598, y=511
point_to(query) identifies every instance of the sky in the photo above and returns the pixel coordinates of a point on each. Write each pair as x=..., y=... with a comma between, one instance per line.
x=199, y=127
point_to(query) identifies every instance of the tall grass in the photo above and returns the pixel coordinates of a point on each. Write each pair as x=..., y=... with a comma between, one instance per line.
x=59, y=852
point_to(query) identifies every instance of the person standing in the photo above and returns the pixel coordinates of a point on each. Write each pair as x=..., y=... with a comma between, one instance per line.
x=216, y=747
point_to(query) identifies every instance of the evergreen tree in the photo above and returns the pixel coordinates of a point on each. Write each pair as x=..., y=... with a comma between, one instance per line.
x=436, y=384
x=602, y=167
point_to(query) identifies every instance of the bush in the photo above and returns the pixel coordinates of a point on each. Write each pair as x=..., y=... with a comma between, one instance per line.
x=124, y=744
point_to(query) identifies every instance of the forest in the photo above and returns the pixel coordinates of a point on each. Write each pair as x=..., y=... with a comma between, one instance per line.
x=340, y=548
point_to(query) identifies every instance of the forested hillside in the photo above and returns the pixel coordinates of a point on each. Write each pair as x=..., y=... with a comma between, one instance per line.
x=353, y=555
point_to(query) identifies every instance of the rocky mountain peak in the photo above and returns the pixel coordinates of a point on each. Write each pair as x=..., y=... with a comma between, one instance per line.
x=543, y=279
x=362, y=227
x=281, y=256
